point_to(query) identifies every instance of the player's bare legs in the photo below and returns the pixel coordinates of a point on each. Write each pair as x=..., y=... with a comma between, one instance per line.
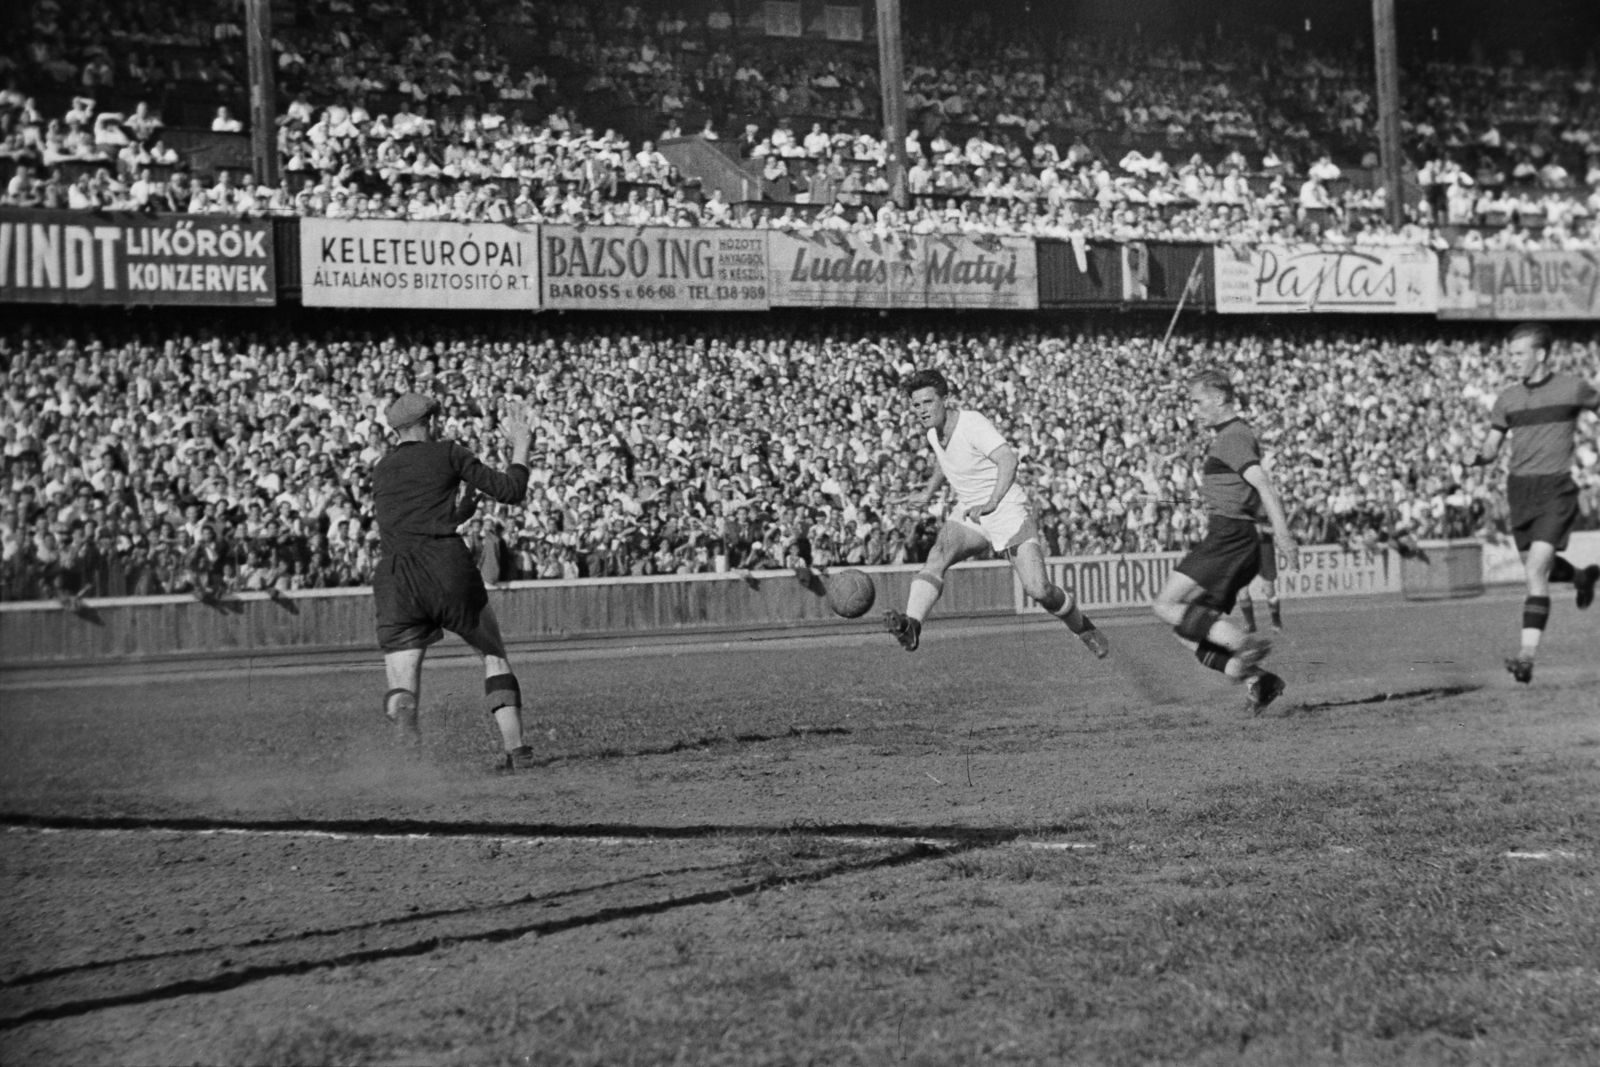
x=501, y=690
x=1247, y=608
x=954, y=544
x=1217, y=642
x=1027, y=559
x=404, y=669
x=1538, y=562
x=1269, y=592
x=1247, y=605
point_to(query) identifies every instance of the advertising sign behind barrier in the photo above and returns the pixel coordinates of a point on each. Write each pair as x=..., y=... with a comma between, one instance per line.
x=831, y=268
x=835, y=268
x=1271, y=278
x=1332, y=570
x=74, y=257
x=978, y=271
x=1133, y=580
x=653, y=268
x=1519, y=285
x=382, y=263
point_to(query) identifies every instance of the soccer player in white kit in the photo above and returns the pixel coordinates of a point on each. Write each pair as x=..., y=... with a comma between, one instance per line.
x=991, y=512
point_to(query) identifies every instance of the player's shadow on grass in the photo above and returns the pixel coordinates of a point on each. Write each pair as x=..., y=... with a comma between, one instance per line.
x=1437, y=692
x=236, y=975
x=47, y=974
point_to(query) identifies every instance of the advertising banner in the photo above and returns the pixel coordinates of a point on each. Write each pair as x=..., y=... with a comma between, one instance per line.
x=393, y=263
x=78, y=257
x=1519, y=285
x=1332, y=570
x=1273, y=278
x=653, y=268
x=1133, y=580
x=836, y=268
x=977, y=271
x=832, y=268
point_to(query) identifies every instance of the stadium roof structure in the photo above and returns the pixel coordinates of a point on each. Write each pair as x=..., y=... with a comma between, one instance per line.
x=1547, y=32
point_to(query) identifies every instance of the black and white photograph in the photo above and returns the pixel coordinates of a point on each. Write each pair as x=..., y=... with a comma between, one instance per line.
x=799, y=533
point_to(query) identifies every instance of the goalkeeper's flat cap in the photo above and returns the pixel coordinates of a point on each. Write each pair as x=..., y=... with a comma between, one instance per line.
x=408, y=409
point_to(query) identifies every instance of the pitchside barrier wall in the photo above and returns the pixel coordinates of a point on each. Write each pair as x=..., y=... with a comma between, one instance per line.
x=118, y=258
x=1502, y=564
x=136, y=629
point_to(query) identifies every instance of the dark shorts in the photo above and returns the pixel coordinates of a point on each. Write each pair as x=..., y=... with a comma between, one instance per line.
x=1224, y=562
x=424, y=590
x=1268, y=571
x=1544, y=507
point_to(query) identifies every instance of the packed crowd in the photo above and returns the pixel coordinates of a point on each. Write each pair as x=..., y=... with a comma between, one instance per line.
x=415, y=111
x=346, y=163
x=206, y=465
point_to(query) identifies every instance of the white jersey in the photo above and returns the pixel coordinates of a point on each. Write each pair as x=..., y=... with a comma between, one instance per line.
x=966, y=464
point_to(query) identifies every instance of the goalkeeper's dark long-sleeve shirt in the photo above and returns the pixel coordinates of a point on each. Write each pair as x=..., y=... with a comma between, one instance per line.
x=414, y=490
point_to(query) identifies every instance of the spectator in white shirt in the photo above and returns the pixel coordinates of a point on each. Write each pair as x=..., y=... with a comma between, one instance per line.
x=652, y=162
x=817, y=143
x=143, y=122
x=225, y=123
x=1324, y=169
x=716, y=210
x=1313, y=195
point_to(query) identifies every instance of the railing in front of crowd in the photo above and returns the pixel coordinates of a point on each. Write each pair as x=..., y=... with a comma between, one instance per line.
x=100, y=631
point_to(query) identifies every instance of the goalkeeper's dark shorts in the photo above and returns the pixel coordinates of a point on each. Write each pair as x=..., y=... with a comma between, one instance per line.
x=1544, y=507
x=424, y=589
x=1224, y=562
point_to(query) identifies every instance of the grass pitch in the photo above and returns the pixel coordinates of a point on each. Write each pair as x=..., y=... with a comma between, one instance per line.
x=830, y=852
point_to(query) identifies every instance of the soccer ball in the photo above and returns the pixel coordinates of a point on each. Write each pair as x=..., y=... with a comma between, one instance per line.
x=850, y=593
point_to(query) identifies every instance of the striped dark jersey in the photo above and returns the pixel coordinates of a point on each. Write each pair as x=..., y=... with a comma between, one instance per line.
x=1541, y=419
x=1233, y=451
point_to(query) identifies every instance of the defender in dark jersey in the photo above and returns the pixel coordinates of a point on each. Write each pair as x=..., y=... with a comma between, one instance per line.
x=1539, y=414
x=426, y=580
x=1207, y=581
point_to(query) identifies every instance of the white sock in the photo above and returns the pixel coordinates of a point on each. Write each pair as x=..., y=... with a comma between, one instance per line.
x=509, y=720
x=924, y=594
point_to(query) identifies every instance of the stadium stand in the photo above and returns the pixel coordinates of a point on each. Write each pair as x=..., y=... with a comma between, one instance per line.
x=143, y=459
x=491, y=111
x=190, y=459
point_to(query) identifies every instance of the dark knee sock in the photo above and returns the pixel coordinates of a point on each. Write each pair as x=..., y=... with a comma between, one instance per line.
x=1213, y=656
x=502, y=691
x=1197, y=622
x=1562, y=571
x=1249, y=613
x=1535, y=612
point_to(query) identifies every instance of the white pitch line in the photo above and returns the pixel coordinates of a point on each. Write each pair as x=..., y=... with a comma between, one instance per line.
x=541, y=839
x=1543, y=854
x=1057, y=846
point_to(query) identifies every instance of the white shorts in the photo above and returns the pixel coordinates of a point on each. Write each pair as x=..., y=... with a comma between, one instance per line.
x=1007, y=526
